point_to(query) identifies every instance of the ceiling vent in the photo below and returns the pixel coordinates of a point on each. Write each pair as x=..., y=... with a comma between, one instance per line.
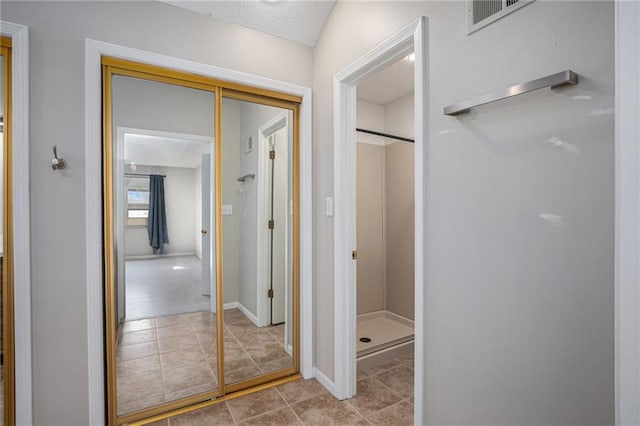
x=481, y=13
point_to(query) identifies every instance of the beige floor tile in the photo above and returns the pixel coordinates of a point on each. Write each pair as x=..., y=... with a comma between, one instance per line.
x=175, y=330
x=137, y=350
x=188, y=377
x=148, y=335
x=399, y=379
x=137, y=325
x=266, y=353
x=192, y=391
x=400, y=414
x=372, y=395
x=277, y=364
x=232, y=364
x=176, y=343
x=241, y=374
x=281, y=417
x=136, y=392
x=144, y=365
x=300, y=390
x=326, y=410
x=172, y=320
x=182, y=358
x=255, y=404
x=217, y=414
x=385, y=366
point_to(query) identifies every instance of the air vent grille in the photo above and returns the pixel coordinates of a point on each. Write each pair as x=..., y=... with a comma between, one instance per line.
x=482, y=9
x=484, y=12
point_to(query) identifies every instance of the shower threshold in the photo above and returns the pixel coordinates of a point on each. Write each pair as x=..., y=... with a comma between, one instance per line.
x=377, y=331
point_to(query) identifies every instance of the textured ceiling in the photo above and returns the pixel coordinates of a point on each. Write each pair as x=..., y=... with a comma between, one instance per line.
x=296, y=20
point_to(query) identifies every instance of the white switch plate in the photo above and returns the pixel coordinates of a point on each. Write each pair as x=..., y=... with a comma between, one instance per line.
x=227, y=209
x=329, y=206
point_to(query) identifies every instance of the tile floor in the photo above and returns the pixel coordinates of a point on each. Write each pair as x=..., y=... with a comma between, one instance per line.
x=384, y=397
x=167, y=358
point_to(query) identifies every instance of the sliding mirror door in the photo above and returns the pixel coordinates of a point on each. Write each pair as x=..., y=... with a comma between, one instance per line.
x=201, y=234
x=258, y=205
x=162, y=323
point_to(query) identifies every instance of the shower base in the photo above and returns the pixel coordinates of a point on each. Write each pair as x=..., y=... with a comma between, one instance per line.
x=391, y=336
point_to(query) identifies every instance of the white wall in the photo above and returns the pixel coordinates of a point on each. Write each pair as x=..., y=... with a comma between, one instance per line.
x=231, y=224
x=519, y=323
x=57, y=36
x=181, y=214
x=253, y=116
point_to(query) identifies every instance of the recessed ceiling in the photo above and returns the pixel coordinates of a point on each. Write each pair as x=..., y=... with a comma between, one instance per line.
x=388, y=84
x=300, y=21
x=150, y=150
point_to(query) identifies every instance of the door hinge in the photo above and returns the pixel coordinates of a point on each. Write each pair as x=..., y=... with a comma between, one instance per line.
x=354, y=254
x=270, y=293
x=271, y=224
x=272, y=155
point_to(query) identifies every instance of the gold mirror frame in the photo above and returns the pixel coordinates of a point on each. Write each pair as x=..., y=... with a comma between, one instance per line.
x=7, y=262
x=220, y=89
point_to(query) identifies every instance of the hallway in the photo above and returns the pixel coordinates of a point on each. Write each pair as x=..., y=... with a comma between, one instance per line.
x=385, y=397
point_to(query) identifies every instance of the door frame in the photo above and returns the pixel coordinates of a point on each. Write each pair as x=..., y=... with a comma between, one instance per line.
x=412, y=38
x=19, y=35
x=94, y=50
x=627, y=213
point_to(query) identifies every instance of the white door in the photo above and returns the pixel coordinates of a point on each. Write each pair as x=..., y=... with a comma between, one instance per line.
x=278, y=206
x=206, y=227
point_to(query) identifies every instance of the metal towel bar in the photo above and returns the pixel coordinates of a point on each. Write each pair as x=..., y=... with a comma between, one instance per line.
x=563, y=78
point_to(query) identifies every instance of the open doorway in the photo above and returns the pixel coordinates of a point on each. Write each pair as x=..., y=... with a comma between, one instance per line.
x=411, y=39
x=385, y=224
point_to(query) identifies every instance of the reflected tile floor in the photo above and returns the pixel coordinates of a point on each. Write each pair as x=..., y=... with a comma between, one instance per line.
x=385, y=397
x=166, y=358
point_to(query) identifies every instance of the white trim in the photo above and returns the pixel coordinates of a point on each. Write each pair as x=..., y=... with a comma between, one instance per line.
x=93, y=201
x=411, y=38
x=627, y=216
x=21, y=230
x=247, y=313
x=324, y=380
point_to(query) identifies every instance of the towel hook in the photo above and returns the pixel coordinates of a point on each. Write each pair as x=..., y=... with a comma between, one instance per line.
x=57, y=163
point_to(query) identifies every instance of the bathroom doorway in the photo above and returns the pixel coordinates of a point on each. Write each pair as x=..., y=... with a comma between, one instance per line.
x=385, y=217
x=411, y=39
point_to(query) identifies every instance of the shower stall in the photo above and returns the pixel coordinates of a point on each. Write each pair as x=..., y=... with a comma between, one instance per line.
x=385, y=239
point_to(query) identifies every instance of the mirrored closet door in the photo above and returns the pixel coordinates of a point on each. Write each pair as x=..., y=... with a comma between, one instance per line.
x=200, y=228
x=7, y=412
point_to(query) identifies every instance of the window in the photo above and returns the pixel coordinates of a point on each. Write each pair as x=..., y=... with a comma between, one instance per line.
x=137, y=201
x=481, y=13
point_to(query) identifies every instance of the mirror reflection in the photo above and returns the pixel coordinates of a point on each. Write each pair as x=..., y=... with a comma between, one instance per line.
x=163, y=138
x=257, y=198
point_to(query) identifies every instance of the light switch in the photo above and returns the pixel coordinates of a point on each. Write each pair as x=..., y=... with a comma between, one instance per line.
x=329, y=206
x=227, y=209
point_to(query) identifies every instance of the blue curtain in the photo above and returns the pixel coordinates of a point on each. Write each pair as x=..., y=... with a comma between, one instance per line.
x=157, y=221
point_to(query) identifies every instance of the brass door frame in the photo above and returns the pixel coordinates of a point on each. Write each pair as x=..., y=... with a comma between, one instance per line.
x=220, y=89
x=7, y=261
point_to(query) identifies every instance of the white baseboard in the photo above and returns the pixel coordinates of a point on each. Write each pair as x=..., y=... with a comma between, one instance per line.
x=248, y=314
x=324, y=381
x=157, y=256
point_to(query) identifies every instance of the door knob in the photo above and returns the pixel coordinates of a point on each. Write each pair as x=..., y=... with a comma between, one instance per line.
x=203, y=231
